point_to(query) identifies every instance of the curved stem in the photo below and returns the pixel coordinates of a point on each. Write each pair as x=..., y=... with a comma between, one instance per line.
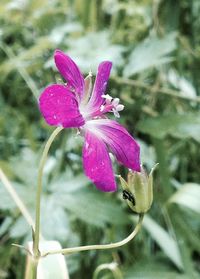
x=39, y=191
x=99, y=247
x=112, y=267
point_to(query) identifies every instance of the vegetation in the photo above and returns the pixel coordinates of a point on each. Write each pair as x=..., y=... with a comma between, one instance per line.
x=155, y=50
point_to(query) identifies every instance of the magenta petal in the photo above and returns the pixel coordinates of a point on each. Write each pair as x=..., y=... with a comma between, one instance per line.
x=100, y=85
x=59, y=106
x=121, y=143
x=97, y=164
x=70, y=72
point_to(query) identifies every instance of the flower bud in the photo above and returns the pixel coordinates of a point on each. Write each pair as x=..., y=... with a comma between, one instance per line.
x=138, y=190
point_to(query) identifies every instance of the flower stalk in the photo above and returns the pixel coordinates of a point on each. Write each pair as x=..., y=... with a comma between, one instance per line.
x=113, y=267
x=36, y=234
x=67, y=251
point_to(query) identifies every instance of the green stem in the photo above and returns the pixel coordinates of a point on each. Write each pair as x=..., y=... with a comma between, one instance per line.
x=34, y=269
x=112, y=267
x=99, y=247
x=39, y=191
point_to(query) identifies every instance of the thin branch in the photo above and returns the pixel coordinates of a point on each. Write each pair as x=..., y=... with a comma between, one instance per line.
x=152, y=89
x=16, y=198
x=39, y=190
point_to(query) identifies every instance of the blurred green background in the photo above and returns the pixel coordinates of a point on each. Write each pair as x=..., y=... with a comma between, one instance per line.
x=155, y=50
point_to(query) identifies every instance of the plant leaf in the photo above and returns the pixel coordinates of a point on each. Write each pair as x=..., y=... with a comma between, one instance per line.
x=188, y=195
x=164, y=240
x=177, y=125
x=150, y=53
x=93, y=207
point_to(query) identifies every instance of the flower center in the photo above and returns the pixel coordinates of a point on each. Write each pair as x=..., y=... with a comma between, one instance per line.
x=111, y=105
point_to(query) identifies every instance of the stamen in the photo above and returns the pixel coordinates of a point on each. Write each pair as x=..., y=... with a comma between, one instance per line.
x=115, y=102
x=107, y=97
x=111, y=105
x=116, y=113
x=120, y=107
x=102, y=108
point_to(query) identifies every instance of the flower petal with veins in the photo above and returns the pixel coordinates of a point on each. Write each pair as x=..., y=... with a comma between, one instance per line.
x=97, y=163
x=59, y=106
x=70, y=72
x=100, y=85
x=120, y=142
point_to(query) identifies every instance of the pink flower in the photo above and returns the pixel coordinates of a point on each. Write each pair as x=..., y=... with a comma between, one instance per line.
x=77, y=105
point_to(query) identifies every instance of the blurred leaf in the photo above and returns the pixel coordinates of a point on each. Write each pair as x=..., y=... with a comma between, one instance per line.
x=26, y=58
x=156, y=274
x=185, y=87
x=93, y=207
x=177, y=125
x=55, y=223
x=6, y=202
x=150, y=53
x=59, y=33
x=67, y=183
x=188, y=195
x=16, y=5
x=5, y=225
x=154, y=268
x=89, y=51
x=164, y=240
x=28, y=161
x=20, y=228
x=148, y=157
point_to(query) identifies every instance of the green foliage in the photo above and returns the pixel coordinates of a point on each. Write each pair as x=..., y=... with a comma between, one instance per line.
x=181, y=126
x=154, y=47
x=150, y=53
x=164, y=240
x=188, y=195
